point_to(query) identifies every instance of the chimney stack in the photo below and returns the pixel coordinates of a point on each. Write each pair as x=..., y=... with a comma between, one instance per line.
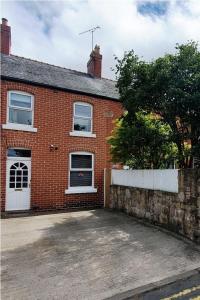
x=94, y=63
x=5, y=37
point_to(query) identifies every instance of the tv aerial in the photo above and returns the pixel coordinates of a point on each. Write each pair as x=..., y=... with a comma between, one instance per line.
x=92, y=30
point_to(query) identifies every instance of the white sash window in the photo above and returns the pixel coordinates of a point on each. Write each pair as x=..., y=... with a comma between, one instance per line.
x=81, y=173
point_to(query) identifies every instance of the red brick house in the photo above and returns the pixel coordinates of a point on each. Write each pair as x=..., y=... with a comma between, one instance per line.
x=53, y=134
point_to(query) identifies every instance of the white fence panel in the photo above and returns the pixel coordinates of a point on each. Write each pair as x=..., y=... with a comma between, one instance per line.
x=163, y=180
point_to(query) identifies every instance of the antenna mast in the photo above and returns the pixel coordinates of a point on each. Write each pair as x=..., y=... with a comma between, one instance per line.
x=92, y=30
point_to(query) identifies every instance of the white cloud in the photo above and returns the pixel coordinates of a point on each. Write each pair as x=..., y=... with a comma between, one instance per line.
x=49, y=30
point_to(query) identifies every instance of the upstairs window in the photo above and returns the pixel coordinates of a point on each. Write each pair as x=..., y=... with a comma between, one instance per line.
x=81, y=169
x=82, y=117
x=20, y=108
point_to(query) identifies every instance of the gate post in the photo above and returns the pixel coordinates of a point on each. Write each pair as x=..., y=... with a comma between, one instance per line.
x=107, y=183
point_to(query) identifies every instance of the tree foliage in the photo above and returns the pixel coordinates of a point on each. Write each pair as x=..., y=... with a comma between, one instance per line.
x=143, y=143
x=168, y=87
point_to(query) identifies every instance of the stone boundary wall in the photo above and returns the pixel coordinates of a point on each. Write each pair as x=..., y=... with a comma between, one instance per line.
x=179, y=212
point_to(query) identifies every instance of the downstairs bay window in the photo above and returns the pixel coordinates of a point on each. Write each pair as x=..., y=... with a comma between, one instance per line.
x=81, y=173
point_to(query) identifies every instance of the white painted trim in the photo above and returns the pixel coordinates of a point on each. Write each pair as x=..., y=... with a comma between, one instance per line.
x=18, y=158
x=82, y=134
x=14, y=126
x=83, y=104
x=20, y=108
x=80, y=190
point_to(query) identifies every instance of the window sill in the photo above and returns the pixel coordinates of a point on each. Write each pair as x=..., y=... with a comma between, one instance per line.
x=80, y=190
x=13, y=126
x=82, y=134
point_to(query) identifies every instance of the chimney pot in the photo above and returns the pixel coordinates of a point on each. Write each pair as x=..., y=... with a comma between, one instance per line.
x=97, y=49
x=4, y=21
x=5, y=37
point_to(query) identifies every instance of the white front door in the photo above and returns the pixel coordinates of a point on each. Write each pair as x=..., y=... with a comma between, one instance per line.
x=18, y=178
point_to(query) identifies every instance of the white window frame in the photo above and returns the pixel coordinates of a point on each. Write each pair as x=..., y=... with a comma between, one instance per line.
x=78, y=132
x=16, y=126
x=81, y=189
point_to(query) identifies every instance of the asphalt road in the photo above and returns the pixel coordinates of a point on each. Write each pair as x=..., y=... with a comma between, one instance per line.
x=182, y=289
x=185, y=286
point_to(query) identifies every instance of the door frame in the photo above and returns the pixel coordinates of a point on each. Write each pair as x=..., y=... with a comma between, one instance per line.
x=9, y=158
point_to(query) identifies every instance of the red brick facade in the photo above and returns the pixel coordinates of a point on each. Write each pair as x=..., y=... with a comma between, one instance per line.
x=53, y=115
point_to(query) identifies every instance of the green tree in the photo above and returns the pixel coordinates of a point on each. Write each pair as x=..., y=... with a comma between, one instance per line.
x=169, y=87
x=143, y=143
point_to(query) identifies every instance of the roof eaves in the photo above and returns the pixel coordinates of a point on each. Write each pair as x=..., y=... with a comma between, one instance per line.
x=8, y=78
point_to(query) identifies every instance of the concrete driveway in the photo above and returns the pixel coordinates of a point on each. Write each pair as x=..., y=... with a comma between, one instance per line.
x=87, y=255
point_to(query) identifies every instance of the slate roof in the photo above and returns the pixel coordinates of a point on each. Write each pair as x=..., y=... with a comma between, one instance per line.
x=35, y=72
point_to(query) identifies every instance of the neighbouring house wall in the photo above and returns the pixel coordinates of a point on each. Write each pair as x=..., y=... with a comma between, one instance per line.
x=179, y=212
x=53, y=117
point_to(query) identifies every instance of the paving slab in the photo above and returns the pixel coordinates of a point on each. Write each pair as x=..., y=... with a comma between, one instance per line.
x=87, y=255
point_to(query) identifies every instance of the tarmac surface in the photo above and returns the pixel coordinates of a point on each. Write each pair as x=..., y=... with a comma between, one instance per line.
x=93, y=254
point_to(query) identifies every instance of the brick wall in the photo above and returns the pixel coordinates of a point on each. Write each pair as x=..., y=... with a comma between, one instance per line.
x=5, y=40
x=179, y=212
x=53, y=112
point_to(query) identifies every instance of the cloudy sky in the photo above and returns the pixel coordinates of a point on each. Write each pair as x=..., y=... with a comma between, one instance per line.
x=49, y=30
